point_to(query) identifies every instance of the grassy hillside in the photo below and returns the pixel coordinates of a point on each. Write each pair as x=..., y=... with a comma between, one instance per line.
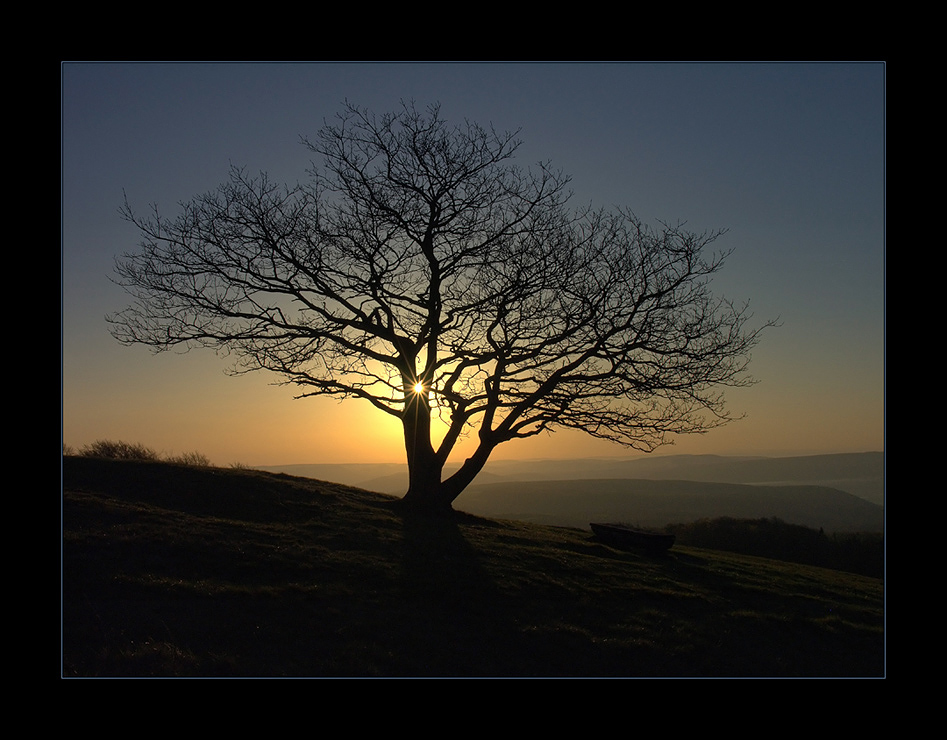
x=175, y=570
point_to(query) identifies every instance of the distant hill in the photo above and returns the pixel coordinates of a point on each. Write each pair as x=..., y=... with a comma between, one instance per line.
x=655, y=503
x=861, y=474
x=349, y=474
x=841, y=492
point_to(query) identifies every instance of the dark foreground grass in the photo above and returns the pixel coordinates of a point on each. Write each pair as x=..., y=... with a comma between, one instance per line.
x=170, y=570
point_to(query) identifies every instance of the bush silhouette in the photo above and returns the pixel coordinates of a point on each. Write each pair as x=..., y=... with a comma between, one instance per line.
x=861, y=553
x=110, y=450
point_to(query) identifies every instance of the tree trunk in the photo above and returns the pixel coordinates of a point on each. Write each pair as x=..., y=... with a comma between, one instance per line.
x=426, y=490
x=424, y=466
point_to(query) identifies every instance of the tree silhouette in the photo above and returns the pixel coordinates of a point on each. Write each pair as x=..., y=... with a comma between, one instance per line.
x=422, y=271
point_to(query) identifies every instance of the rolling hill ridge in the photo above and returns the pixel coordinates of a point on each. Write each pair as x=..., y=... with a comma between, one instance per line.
x=656, y=503
x=842, y=492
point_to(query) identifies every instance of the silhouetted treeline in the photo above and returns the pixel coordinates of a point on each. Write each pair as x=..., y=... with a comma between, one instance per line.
x=858, y=552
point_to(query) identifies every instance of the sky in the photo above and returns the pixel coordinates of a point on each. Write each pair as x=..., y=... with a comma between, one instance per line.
x=789, y=158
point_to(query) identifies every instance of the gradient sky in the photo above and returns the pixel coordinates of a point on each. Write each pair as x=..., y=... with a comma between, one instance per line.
x=790, y=158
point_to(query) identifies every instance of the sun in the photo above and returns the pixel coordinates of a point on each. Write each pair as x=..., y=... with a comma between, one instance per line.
x=419, y=387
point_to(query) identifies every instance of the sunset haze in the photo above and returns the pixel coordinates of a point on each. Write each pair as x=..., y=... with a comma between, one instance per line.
x=788, y=158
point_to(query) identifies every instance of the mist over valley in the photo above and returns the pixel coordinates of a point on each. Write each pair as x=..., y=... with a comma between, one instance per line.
x=837, y=492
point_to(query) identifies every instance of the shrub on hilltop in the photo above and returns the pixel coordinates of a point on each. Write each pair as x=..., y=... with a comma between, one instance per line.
x=857, y=552
x=111, y=450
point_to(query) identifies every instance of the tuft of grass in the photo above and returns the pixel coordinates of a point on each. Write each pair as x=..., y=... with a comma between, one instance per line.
x=190, y=458
x=175, y=570
x=111, y=450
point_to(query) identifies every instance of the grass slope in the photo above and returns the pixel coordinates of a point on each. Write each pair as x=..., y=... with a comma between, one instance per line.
x=170, y=570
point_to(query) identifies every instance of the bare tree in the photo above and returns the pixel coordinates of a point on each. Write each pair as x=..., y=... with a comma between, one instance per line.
x=423, y=272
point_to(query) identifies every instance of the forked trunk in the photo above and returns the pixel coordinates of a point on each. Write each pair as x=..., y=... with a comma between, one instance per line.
x=424, y=467
x=426, y=489
x=424, y=482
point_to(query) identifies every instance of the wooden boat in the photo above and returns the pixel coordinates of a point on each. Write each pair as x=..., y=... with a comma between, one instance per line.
x=625, y=537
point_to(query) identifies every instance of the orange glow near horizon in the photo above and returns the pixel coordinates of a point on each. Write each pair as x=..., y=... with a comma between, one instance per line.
x=235, y=420
x=178, y=404
x=806, y=248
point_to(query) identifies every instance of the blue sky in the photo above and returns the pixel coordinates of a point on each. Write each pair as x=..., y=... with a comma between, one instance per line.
x=789, y=157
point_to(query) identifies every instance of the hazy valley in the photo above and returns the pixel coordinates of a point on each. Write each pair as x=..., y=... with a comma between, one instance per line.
x=842, y=492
